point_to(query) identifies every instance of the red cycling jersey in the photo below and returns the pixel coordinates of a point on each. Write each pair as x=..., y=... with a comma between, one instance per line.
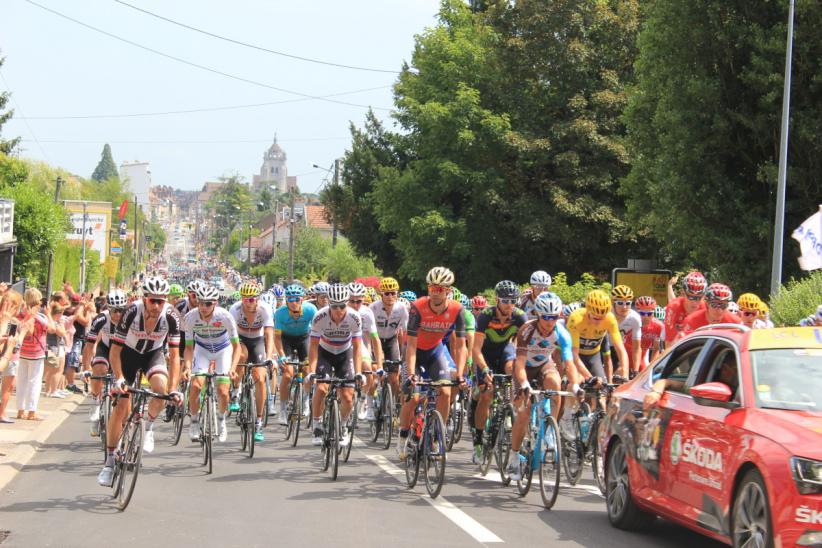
x=430, y=327
x=651, y=333
x=675, y=314
x=700, y=318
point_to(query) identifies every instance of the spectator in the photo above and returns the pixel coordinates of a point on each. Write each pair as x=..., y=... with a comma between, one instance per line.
x=81, y=311
x=813, y=319
x=56, y=358
x=32, y=356
x=11, y=307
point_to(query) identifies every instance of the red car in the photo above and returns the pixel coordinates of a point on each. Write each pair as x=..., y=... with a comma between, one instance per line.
x=732, y=448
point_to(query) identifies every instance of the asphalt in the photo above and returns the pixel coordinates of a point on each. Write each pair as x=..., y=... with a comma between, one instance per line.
x=281, y=497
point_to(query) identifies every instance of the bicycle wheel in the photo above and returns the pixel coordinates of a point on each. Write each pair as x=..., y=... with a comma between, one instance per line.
x=131, y=458
x=326, y=445
x=503, y=445
x=242, y=422
x=433, y=448
x=265, y=406
x=387, y=415
x=334, y=439
x=459, y=418
x=488, y=440
x=309, y=418
x=412, y=461
x=101, y=431
x=351, y=425
x=597, y=463
x=573, y=455
x=550, y=449
x=527, y=449
x=375, y=426
x=251, y=416
x=451, y=427
x=296, y=414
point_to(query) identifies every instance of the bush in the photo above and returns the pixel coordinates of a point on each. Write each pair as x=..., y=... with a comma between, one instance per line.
x=796, y=300
x=67, y=256
x=568, y=293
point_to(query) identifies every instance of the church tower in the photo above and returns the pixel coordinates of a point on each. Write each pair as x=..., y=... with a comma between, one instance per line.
x=274, y=170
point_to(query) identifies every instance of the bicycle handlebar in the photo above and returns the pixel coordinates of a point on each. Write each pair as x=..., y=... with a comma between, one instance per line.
x=334, y=381
x=148, y=393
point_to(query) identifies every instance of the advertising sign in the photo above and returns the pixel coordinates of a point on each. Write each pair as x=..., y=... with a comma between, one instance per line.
x=97, y=224
x=654, y=283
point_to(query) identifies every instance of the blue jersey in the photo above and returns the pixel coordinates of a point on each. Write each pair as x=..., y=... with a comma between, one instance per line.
x=537, y=348
x=287, y=324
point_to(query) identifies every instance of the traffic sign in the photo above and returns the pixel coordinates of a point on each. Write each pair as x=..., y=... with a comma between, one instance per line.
x=115, y=248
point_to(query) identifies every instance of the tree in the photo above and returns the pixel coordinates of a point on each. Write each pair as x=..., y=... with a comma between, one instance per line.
x=6, y=146
x=106, y=168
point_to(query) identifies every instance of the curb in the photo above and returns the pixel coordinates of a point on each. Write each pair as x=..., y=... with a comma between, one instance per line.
x=16, y=460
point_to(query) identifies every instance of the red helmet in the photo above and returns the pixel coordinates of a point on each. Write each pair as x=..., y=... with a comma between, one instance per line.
x=694, y=283
x=479, y=302
x=645, y=304
x=719, y=293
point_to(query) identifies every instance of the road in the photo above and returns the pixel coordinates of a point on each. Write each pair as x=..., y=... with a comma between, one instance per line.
x=281, y=497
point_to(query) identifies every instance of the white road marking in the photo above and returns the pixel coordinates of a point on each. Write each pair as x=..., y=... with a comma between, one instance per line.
x=457, y=516
x=592, y=489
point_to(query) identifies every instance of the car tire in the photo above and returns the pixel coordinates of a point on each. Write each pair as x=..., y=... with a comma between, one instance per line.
x=751, y=514
x=623, y=512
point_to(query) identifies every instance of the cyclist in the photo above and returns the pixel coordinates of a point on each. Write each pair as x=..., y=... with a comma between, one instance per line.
x=321, y=294
x=370, y=335
x=429, y=318
x=146, y=329
x=184, y=305
x=336, y=339
x=718, y=296
x=98, y=342
x=749, y=310
x=588, y=326
x=409, y=296
x=493, y=353
x=255, y=326
x=678, y=308
x=279, y=294
x=537, y=341
x=478, y=304
x=175, y=294
x=764, y=315
x=292, y=327
x=211, y=336
x=630, y=325
x=651, y=330
x=540, y=281
x=392, y=321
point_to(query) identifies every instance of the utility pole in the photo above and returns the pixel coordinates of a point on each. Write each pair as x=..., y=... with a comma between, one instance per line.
x=249, y=245
x=136, y=247
x=57, y=185
x=83, y=251
x=334, y=221
x=291, y=239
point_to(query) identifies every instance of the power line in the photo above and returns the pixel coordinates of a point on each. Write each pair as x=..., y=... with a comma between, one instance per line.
x=195, y=110
x=180, y=141
x=252, y=46
x=201, y=67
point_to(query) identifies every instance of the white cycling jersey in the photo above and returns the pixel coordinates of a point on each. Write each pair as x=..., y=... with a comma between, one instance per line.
x=389, y=324
x=213, y=335
x=631, y=327
x=101, y=329
x=369, y=326
x=336, y=337
x=262, y=318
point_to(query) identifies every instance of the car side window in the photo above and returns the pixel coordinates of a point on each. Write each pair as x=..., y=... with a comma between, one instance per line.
x=679, y=364
x=720, y=364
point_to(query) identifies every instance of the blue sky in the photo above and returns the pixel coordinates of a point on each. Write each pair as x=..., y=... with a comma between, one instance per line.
x=58, y=68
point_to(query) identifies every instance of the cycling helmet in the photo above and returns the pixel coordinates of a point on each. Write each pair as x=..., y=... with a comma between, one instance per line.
x=645, y=304
x=733, y=308
x=719, y=293
x=278, y=290
x=269, y=299
x=694, y=283
x=338, y=293
x=409, y=296
x=294, y=290
x=570, y=307
x=506, y=289
x=321, y=288
x=176, y=290
x=748, y=301
x=479, y=302
x=548, y=304
x=540, y=277
x=370, y=294
x=310, y=292
x=154, y=285
x=235, y=296
x=763, y=310
x=249, y=289
x=439, y=275
x=598, y=302
x=389, y=284
x=193, y=285
x=622, y=293
x=659, y=313
x=456, y=294
x=465, y=301
x=208, y=293
x=355, y=289
x=116, y=299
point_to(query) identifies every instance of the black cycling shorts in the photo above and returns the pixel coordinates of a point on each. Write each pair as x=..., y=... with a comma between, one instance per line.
x=339, y=365
x=390, y=348
x=497, y=358
x=101, y=355
x=255, y=348
x=151, y=363
x=295, y=343
x=594, y=364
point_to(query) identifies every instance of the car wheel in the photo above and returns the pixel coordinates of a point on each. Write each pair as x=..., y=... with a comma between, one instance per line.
x=623, y=513
x=751, y=521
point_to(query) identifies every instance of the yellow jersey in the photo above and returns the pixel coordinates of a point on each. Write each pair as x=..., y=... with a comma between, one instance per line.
x=587, y=334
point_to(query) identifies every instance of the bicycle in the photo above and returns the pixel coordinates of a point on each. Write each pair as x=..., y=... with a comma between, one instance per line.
x=541, y=448
x=456, y=418
x=129, y=453
x=427, y=441
x=351, y=423
x=208, y=417
x=497, y=437
x=384, y=410
x=296, y=401
x=105, y=409
x=180, y=413
x=584, y=445
x=247, y=416
x=332, y=430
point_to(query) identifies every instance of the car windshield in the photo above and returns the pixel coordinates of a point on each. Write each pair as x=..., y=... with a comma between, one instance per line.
x=788, y=378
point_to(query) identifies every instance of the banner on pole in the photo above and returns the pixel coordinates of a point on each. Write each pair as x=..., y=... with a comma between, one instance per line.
x=809, y=236
x=123, y=210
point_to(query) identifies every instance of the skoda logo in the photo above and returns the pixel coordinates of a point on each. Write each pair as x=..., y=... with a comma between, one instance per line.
x=676, y=447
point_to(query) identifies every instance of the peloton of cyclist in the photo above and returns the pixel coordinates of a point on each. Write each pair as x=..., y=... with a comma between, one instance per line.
x=392, y=321
x=630, y=325
x=540, y=281
x=693, y=285
x=292, y=326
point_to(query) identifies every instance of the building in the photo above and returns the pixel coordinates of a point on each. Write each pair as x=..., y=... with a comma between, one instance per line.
x=274, y=171
x=138, y=177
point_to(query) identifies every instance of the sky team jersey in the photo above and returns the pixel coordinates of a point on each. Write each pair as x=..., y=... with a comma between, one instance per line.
x=651, y=335
x=587, y=334
x=100, y=329
x=538, y=348
x=211, y=335
x=131, y=331
x=700, y=318
x=336, y=337
x=369, y=325
x=254, y=329
x=389, y=324
x=675, y=317
x=429, y=327
x=286, y=324
x=498, y=333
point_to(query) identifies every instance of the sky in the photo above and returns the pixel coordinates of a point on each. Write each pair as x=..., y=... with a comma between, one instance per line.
x=75, y=89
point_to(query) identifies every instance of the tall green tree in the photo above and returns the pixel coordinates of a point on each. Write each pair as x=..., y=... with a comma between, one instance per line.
x=7, y=146
x=704, y=123
x=106, y=168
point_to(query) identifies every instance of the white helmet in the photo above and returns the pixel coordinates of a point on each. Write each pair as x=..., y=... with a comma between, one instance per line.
x=439, y=275
x=116, y=299
x=548, y=304
x=338, y=293
x=569, y=308
x=207, y=293
x=321, y=288
x=356, y=289
x=540, y=277
x=733, y=308
x=154, y=285
x=194, y=285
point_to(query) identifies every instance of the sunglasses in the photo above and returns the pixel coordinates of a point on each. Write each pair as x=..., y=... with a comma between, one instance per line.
x=157, y=301
x=507, y=301
x=748, y=314
x=623, y=303
x=718, y=305
x=549, y=317
x=389, y=293
x=694, y=297
x=437, y=289
x=205, y=303
x=355, y=301
x=117, y=310
x=645, y=313
x=293, y=299
x=249, y=299
x=337, y=306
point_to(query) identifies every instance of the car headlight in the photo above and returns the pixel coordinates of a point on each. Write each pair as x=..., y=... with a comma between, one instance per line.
x=807, y=474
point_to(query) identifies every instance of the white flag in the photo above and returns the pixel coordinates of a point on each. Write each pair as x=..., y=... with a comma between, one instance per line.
x=809, y=236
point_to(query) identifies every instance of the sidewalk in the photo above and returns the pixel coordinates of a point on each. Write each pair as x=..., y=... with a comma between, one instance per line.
x=21, y=440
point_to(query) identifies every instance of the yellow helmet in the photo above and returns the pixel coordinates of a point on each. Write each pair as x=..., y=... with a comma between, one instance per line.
x=622, y=293
x=249, y=289
x=749, y=302
x=598, y=302
x=763, y=309
x=389, y=284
